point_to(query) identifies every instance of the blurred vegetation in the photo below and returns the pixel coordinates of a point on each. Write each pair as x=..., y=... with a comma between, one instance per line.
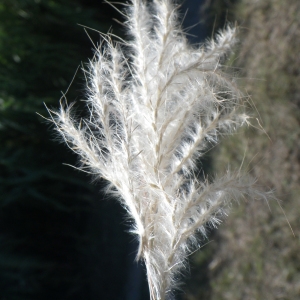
x=54, y=239
x=254, y=254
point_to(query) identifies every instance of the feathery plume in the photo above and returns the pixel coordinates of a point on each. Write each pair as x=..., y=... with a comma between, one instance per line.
x=155, y=108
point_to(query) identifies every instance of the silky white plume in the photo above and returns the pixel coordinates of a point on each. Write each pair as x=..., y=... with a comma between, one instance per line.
x=156, y=105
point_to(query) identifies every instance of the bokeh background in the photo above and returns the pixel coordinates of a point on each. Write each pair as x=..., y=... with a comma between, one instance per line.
x=61, y=238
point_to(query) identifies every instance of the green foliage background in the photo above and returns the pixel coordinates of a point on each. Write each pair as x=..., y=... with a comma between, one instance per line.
x=57, y=240
x=255, y=254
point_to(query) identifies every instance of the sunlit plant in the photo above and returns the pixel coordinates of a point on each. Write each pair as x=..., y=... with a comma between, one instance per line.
x=156, y=105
